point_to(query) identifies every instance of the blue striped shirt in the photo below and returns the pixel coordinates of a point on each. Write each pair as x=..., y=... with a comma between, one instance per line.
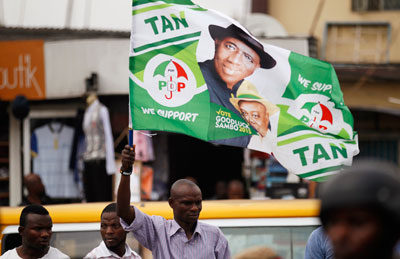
x=166, y=239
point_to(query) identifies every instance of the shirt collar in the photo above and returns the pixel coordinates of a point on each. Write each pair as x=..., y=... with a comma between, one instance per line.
x=175, y=228
x=108, y=253
x=104, y=249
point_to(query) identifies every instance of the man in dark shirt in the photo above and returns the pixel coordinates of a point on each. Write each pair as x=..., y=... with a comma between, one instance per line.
x=237, y=56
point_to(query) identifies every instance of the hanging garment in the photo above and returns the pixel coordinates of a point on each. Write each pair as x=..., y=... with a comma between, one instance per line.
x=51, y=147
x=98, y=136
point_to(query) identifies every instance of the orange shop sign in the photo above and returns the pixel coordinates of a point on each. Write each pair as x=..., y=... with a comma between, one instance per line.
x=22, y=70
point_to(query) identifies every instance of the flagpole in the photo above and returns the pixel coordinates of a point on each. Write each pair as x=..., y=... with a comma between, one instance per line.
x=130, y=143
x=130, y=128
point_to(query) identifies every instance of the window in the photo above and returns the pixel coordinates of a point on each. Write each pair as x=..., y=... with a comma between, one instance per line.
x=288, y=242
x=76, y=244
x=356, y=43
x=375, y=5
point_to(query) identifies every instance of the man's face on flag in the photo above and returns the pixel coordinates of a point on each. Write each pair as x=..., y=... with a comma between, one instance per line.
x=234, y=60
x=256, y=114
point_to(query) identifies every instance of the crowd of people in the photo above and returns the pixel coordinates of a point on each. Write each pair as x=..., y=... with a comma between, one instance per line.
x=360, y=216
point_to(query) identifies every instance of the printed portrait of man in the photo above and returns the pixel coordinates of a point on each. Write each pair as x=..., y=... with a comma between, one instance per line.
x=237, y=56
x=257, y=112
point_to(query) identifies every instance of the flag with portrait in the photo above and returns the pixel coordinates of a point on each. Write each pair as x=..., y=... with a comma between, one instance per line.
x=197, y=72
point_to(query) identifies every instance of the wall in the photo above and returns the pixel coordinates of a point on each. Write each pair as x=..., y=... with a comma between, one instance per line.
x=68, y=63
x=297, y=18
x=91, y=14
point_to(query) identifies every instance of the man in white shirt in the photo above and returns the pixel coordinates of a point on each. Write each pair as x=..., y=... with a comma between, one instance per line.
x=114, y=237
x=35, y=226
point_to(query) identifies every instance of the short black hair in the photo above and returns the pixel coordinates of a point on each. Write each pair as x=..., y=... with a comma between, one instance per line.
x=112, y=207
x=31, y=209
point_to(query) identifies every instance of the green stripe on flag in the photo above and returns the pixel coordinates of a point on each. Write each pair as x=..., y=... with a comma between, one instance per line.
x=181, y=2
x=302, y=137
x=150, y=8
x=321, y=179
x=321, y=171
x=162, y=42
x=350, y=142
x=166, y=5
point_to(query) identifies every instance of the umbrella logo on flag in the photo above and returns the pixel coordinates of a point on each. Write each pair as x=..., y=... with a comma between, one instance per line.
x=318, y=112
x=169, y=81
x=171, y=72
x=320, y=116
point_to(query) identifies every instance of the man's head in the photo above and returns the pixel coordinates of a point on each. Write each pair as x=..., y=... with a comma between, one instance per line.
x=185, y=201
x=254, y=109
x=235, y=190
x=360, y=211
x=220, y=189
x=256, y=115
x=237, y=54
x=114, y=236
x=35, y=226
x=33, y=184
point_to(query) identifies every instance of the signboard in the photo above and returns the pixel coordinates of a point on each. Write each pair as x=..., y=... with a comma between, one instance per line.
x=22, y=70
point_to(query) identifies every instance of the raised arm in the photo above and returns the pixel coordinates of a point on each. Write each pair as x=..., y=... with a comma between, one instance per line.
x=124, y=210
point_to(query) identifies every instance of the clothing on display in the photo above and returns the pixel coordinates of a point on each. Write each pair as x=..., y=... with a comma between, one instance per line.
x=98, y=135
x=98, y=157
x=51, y=148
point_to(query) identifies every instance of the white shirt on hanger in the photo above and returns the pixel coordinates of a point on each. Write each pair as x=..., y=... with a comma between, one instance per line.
x=109, y=142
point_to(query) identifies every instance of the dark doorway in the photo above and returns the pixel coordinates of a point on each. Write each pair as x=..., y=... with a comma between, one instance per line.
x=206, y=162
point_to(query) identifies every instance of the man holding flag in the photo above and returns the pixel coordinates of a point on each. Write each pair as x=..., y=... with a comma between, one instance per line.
x=184, y=237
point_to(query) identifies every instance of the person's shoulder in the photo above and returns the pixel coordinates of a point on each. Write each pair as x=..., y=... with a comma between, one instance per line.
x=54, y=253
x=318, y=232
x=209, y=228
x=99, y=251
x=131, y=252
x=10, y=254
x=205, y=64
x=154, y=218
x=92, y=253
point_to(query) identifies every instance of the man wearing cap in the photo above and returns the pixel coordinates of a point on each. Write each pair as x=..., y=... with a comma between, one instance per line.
x=237, y=56
x=258, y=112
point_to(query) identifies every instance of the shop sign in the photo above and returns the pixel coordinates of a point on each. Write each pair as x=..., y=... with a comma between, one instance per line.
x=22, y=70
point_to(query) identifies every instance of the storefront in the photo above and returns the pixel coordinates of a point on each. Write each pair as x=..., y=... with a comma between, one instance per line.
x=46, y=74
x=51, y=69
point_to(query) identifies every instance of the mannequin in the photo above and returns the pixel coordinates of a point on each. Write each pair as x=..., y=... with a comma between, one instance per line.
x=99, y=152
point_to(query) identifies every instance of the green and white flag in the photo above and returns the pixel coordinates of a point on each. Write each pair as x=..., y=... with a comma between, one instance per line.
x=197, y=72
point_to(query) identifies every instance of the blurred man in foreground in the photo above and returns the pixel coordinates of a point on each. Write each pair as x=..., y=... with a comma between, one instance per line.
x=360, y=211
